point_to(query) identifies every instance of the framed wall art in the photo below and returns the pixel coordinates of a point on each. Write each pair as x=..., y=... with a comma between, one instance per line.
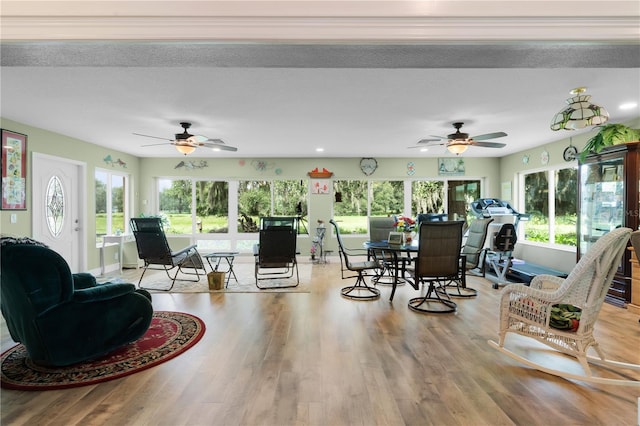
x=320, y=186
x=14, y=170
x=450, y=166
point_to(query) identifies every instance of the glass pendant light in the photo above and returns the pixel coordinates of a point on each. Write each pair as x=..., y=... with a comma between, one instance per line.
x=579, y=113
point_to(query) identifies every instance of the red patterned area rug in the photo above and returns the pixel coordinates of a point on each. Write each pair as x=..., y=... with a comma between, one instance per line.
x=170, y=334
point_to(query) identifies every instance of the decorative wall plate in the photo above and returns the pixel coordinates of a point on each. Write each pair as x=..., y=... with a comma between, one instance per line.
x=544, y=157
x=525, y=159
x=570, y=153
x=368, y=166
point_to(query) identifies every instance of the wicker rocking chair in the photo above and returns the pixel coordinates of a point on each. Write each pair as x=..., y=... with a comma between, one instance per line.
x=562, y=312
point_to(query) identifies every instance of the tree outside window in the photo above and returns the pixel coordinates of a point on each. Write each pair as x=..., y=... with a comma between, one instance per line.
x=566, y=199
x=427, y=196
x=175, y=205
x=536, y=204
x=387, y=198
x=254, y=201
x=550, y=197
x=350, y=210
x=212, y=206
x=290, y=198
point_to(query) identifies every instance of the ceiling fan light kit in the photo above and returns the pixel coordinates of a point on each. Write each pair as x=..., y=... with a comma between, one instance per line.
x=458, y=142
x=579, y=113
x=185, y=149
x=457, y=148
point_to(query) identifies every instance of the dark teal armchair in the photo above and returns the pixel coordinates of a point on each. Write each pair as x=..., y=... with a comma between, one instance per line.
x=64, y=318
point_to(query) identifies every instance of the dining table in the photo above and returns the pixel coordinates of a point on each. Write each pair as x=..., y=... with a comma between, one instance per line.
x=394, y=252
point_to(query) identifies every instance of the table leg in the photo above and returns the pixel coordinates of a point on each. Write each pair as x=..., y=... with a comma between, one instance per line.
x=230, y=272
x=395, y=275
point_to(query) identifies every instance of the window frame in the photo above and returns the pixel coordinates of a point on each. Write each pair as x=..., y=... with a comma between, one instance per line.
x=408, y=193
x=233, y=236
x=126, y=200
x=550, y=171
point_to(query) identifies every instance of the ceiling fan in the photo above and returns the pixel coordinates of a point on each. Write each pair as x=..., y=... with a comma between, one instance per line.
x=186, y=143
x=458, y=142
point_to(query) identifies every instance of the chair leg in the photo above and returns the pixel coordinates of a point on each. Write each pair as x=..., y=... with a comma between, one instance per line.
x=279, y=275
x=173, y=279
x=387, y=275
x=458, y=288
x=360, y=290
x=432, y=302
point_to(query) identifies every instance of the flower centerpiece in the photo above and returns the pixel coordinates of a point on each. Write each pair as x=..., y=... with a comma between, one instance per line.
x=405, y=225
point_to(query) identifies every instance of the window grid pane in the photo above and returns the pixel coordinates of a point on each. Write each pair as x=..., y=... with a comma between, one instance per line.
x=536, y=203
x=350, y=206
x=175, y=205
x=566, y=196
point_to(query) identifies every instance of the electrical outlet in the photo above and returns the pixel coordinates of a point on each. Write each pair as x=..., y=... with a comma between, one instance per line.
x=115, y=256
x=14, y=218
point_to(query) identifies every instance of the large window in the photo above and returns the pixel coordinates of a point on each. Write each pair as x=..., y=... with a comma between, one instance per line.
x=550, y=197
x=427, y=196
x=215, y=212
x=175, y=205
x=289, y=198
x=387, y=198
x=254, y=201
x=212, y=206
x=350, y=208
x=112, y=216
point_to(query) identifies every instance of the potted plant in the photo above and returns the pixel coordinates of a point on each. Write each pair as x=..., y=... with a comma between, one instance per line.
x=609, y=135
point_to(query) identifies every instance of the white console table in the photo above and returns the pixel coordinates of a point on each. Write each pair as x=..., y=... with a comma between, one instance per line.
x=108, y=240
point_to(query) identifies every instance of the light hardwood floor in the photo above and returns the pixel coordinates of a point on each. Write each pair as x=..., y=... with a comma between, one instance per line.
x=319, y=359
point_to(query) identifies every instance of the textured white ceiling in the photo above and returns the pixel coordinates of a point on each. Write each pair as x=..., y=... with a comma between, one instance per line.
x=288, y=100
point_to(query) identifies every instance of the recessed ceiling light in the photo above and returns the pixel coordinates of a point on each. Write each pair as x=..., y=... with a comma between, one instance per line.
x=628, y=105
x=319, y=149
x=424, y=149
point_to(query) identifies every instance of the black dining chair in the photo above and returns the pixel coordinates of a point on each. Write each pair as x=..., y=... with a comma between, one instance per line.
x=473, y=253
x=360, y=290
x=379, y=229
x=437, y=263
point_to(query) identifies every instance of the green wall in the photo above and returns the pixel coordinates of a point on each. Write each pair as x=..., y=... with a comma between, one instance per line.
x=320, y=205
x=495, y=171
x=510, y=165
x=46, y=142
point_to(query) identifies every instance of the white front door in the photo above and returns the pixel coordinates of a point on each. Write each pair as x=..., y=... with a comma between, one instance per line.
x=58, y=213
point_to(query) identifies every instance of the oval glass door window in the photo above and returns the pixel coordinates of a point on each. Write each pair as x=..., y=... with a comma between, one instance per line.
x=55, y=205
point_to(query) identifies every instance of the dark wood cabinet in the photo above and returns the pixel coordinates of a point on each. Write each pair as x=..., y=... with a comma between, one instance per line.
x=608, y=197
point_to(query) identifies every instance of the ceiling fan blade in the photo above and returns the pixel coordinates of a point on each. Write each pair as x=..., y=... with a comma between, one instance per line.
x=489, y=136
x=219, y=144
x=198, y=139
x=221, y=147
x=156, y=144
x=155, y=137
x=430, y=141
x=488, y=144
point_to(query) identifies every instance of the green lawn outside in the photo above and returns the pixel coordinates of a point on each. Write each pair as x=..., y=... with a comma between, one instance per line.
x=356, y=225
